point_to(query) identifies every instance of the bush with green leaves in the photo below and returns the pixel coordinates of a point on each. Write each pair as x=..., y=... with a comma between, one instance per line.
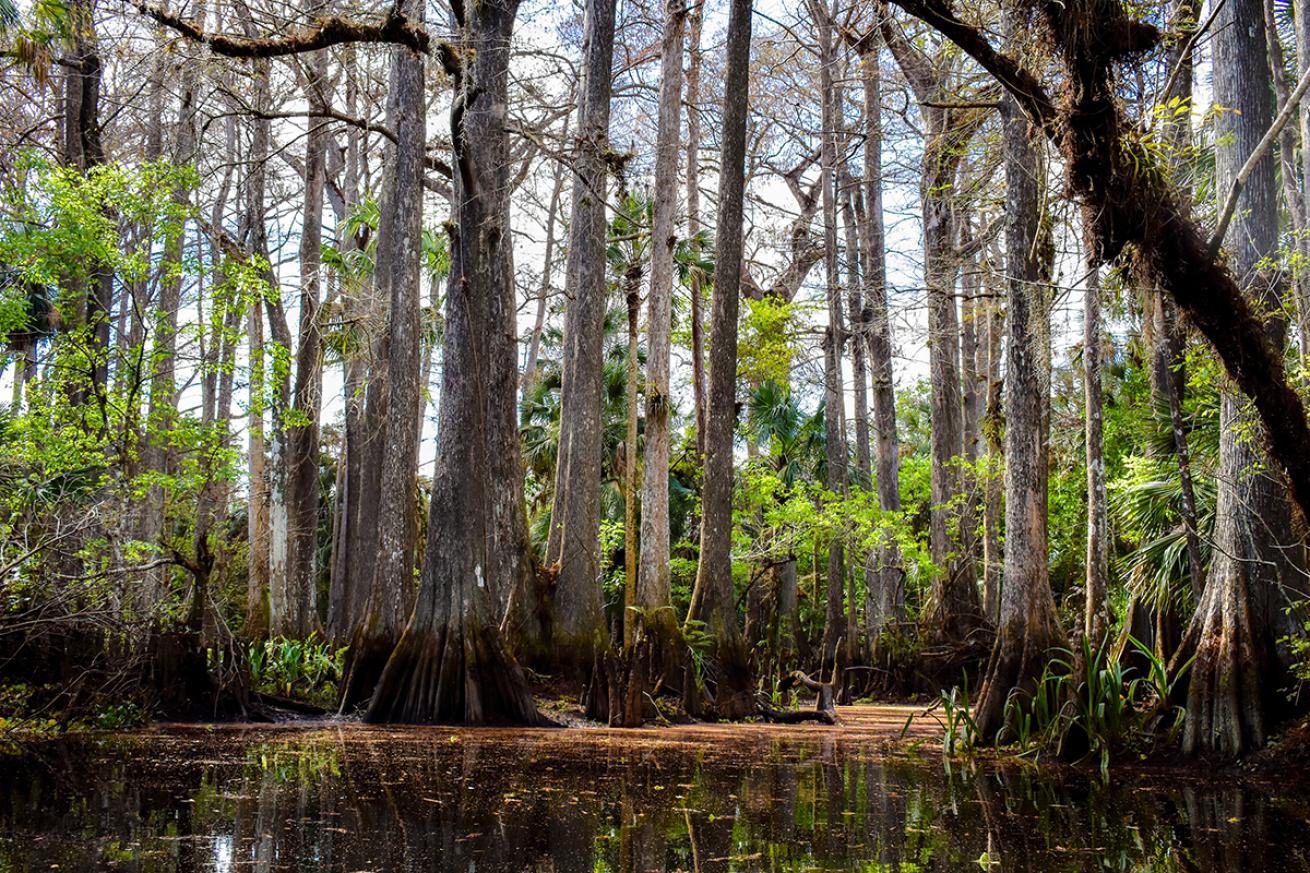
x=307, y=669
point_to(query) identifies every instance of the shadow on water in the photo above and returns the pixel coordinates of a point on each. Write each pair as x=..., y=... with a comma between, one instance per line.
x=352, y=799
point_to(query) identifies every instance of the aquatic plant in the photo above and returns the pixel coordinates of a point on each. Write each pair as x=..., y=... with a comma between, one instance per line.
x=307, y=669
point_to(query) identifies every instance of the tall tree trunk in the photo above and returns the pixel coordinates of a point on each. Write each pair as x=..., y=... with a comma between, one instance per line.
x=834, y=424
x=866, y=579
x=346, y=599
x=971, y=397
x=1028, y=626
x=356, y=538
x=280, y=598
x=1288, y=143
x=972, y=378
x=698, y=382
x=632, y=297
x=219, y=366
x=654, y=597
x=1232, y=634
x=254, y=238
x=713, y=601
x=1096, y=613
x=547, y=271
x=954, y=610
x=888, y=602
x=993, y=434
x=399, y=258
x=1167, y=362
x=299, y=614
x=578, y=622
x=82, y=150
x=256, y=623
x=158, y=455
x=451, y=664
x=1302, y=19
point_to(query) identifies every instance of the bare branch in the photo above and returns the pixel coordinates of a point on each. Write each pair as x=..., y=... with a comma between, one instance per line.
x=328, y=30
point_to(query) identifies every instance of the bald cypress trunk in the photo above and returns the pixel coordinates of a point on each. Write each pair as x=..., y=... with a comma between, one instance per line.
x=297, y=616
x=573, y=550
x=886, y=601
x=994, y=437
x=834, y=423
x=698, y=383
x=713, y=601
x=254, y=238
x=159, y=454
x=654, y=597
x=1096, y=612
x=1239, y=618
x=954, y=610
x=400, y=243
x=451, y=664
x=1302, y=20
x=1027, y=626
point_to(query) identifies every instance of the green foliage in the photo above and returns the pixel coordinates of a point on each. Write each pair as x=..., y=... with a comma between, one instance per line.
x=1090, y=704
x=73, y=473
x=306, y=669
x=959, y=730
x=1147, y=505
x=120, y=716
x=769, y=338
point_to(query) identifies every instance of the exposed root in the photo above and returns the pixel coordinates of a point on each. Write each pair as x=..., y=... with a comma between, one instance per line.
x=453, y=675
x=1017, y=662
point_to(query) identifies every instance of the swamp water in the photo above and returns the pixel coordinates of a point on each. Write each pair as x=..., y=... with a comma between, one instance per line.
x=351, y=798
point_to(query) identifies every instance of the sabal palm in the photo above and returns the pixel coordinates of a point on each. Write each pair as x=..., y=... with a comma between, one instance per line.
x=795, y=439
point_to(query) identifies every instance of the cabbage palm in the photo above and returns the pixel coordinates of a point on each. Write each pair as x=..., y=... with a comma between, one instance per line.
x=794, y=438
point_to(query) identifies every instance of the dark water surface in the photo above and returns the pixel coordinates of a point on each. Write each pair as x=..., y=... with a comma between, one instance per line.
x=349, y=798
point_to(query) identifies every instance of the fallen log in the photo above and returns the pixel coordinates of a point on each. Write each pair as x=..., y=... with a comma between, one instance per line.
x=823, y=711
x=797, y=716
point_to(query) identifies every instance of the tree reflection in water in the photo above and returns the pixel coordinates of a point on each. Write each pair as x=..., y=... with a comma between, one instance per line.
x=353, y=799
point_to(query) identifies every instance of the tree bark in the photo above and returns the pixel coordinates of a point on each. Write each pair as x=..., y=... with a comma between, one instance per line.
x=451, y=664
x=254, y=239
x=954, y=610
x=632, y=297
x=1232, y=634
x=1302, y=19
x=834, y=424
x=573, y=550
x=299, y=613
x=654, y=597
x=889, y=600
x=713, y=601
x=1096, y=612
x=698, y=384
x=1028, y=627
x=256, y=623
x=398, y=270
x=994, y=435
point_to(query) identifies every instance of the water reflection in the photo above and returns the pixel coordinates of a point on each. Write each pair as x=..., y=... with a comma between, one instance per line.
x=357, y=799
